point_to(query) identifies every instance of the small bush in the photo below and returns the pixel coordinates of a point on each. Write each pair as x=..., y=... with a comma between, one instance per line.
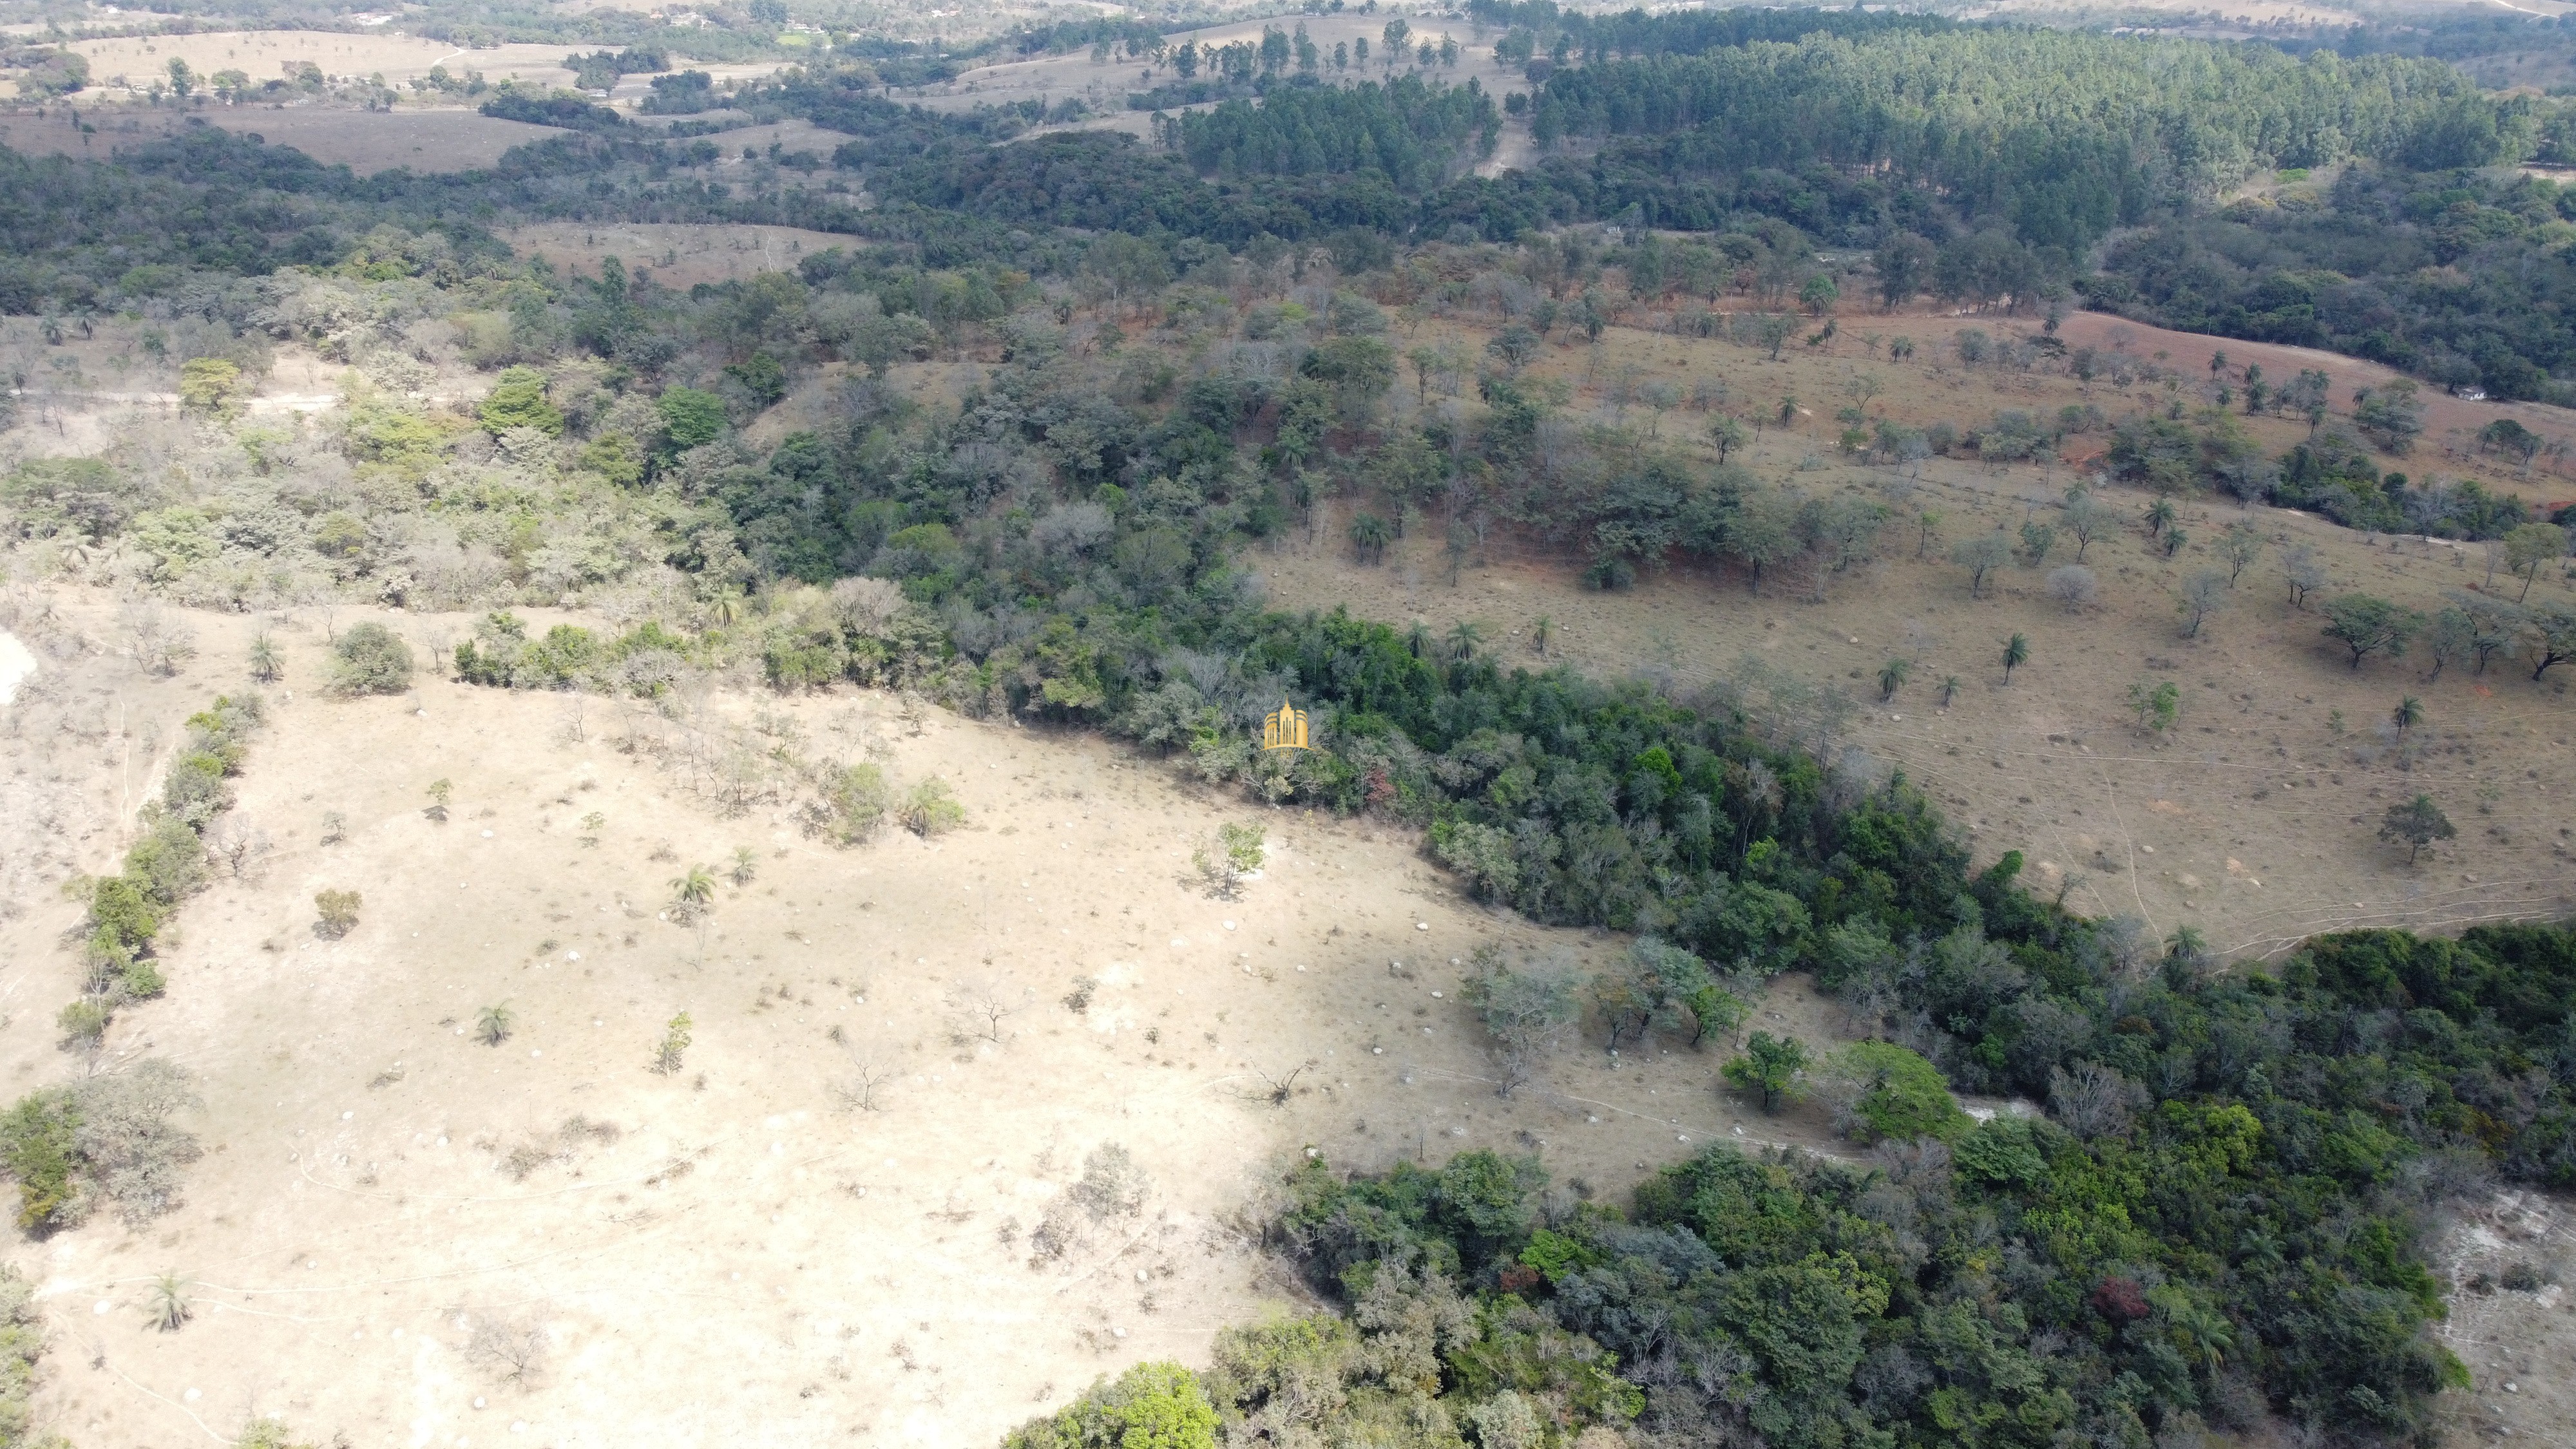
x=370, y=659
x=931, y=809
x=674, y=1046
x=83, y=1022
x=492, y=1025
x=856, y=805
x=338, y=911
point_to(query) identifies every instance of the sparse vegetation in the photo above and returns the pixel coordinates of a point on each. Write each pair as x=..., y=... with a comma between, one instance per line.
x=494, y=1024
x=103, y=1142
x=370, y=659
x=931, y=808
x=673, y=1049
x=336, y=913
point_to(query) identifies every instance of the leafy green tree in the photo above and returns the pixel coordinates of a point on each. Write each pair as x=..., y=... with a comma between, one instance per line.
x=2156, y=709
x=2419, y=822
x=2367, y=625
x=690, y=417
x=1151, y=1406
x=370, y=659
x=518, y=400
x=2530, y=546
x=1771, y=1065
x=1898, y=1094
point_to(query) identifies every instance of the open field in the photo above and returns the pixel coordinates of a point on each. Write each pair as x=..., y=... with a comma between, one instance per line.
x=364, y=141
x=378, y=1185
x=678, y=254
x=262, y=53
x=2253, y=822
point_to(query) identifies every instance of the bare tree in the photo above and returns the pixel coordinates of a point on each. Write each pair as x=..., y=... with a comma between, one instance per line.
x=1529, y=1012
x=2093, y=1100
x=513, y=1352
x=980, y=1008
x=2202, y=595
x=863, y=1087
x=241, y=846
x=2073, y=585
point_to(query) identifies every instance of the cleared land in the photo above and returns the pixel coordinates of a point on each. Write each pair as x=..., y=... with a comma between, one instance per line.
x=2254, y=821
x=380, y=1187
x=364, y=141
x=678, y=254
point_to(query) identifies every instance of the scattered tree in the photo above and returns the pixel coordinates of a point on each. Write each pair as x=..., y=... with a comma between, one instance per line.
x=2240, y=545
x=1980, y=556
x=2202, y=595
x=338, y=911
x=2156, y=709
x=371, y=659
x=2367, y=625
x=1528, y=1011
x=2418, y=822
x=1771, y=1065
x=2073, y=585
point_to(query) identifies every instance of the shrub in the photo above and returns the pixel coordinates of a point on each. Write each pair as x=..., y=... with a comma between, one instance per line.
x=338, y=912
x=674, y=1046
x=212, y=386
x=370, y=659
x=931, y=808
x=858, y=799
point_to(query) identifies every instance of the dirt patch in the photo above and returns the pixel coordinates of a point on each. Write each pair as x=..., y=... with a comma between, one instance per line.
x=2512, y=1318
x=387, y=1203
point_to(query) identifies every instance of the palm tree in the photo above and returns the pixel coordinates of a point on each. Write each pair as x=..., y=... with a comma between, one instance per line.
x=266, y=664
x=2160, y=516
x=1418, y=639
x=2016, y=654
x=1464, y=636
x=492, y=1025
x=746, y=864
x=1369, y=537
x=694, y=890
x=1541, y=633
x=2408, y=714
x=1949, y=689
x=1890, y=676
x=166, y=1304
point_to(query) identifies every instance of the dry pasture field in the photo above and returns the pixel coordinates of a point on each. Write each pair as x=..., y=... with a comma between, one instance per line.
x=261, y=54
x=408, y=1236
x=678, y=254
x=2254, y=822
x=364, y=141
